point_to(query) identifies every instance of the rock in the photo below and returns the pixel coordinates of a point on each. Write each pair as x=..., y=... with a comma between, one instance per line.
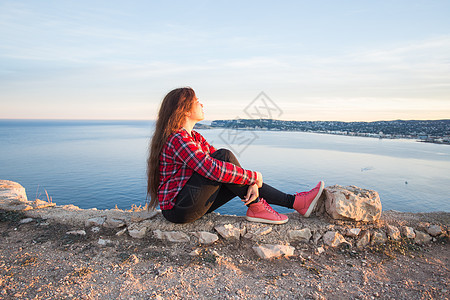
x=364, y=240
x=14, y=198
x=76, y=232
x=38, y=204
x=422, y=237
x=228, y=231
x=121, y=232
x=10, y=190
x=113, y=223
x=333, y=238
x=26, y=220
x=133, y=259
x=268, y=251
x=248, y=235
x=140, y=216
x=408, y=232
x=172, y=236
x=103, y=242
x=434, y=230
x=95, y=229
x=393, y=232
x=195, y=252
x=320, y=250
x=353, y=232
x=259, y=231
x=94, y=222
x=300, y=235
x=352, y=203
x=205, y=237
x=71, y=207
x=316, y=237
x=378, y=237
x=137, y=230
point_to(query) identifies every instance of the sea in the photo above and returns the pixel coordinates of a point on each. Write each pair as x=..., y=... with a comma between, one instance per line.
x=102, y=164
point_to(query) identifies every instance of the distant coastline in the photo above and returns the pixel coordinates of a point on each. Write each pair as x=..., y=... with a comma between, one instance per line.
x=427, y=131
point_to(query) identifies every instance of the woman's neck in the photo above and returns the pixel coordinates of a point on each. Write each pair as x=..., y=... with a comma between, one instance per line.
x=189, y=125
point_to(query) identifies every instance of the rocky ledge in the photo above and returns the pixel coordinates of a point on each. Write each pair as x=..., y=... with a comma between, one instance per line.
x=345, y=217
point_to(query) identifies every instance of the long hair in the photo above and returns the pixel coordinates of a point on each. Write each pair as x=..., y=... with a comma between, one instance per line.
x=171, y=116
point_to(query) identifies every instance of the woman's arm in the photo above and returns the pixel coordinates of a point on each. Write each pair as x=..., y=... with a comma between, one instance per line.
x=205, y=143
x=190, y=153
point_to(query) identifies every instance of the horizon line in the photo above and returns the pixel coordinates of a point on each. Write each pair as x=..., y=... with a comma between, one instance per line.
x=131, y=120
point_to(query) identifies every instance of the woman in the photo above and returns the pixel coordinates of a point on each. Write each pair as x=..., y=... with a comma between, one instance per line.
x=189, y=178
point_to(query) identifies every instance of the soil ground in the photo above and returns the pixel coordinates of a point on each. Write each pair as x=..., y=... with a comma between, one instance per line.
x=39, y=260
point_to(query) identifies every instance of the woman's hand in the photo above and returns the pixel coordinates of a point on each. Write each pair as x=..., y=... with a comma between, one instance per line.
x=252, y=194
x=259, y=179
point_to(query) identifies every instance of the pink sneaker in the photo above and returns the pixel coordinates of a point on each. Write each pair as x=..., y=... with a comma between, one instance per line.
x=262, y=212
x=305, y=202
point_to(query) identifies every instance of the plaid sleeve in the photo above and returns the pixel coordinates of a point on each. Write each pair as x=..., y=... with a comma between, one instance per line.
x=188, y=151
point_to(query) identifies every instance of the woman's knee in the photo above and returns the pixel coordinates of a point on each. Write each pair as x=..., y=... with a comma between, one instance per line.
x=225, y=155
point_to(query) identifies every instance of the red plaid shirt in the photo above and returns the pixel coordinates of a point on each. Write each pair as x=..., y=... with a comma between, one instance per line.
x=182, y=155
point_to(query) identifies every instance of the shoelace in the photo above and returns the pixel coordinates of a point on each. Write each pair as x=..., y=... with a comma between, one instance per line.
x=268, y=207
x=305, y=193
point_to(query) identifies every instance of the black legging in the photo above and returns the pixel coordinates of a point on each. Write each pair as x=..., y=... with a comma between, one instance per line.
x=201, y=195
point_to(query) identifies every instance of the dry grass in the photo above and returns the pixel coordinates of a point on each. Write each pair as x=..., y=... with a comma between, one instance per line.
x=38, y=195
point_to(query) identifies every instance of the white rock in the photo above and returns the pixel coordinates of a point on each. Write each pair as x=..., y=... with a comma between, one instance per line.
x=269, y=251
x=300, y=235
x=113, y=223
x=248, y=235
x=228, y=231
x=333, y=239
x=378, y=237
x=139, y=216
x=261, y=231
x=10, y=190
x=137, y=230
x=104, y=242
x=206, y=237
x=121, y=232
x=434, y=230
x=364, y=240
x=393, y=232
x=353, y=232
x=14, y=198
x=98, y=221
x=194, y=252
x=26, y=220
x=95, y=229
x=320, y=250
x=172, y=236
x=352, y=203
x=422, y=237
x=76, y=232
x=316, y=236
x=408, y=232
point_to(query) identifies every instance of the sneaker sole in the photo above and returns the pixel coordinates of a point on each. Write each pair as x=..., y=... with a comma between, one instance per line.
x=312, y=206
x=259, y=220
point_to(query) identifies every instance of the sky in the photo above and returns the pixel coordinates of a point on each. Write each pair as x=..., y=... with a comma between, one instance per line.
x=315, y=60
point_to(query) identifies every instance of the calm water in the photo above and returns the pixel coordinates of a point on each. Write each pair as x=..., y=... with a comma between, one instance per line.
x=102, y=163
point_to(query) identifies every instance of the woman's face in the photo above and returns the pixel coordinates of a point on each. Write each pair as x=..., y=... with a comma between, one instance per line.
x=196, y=113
